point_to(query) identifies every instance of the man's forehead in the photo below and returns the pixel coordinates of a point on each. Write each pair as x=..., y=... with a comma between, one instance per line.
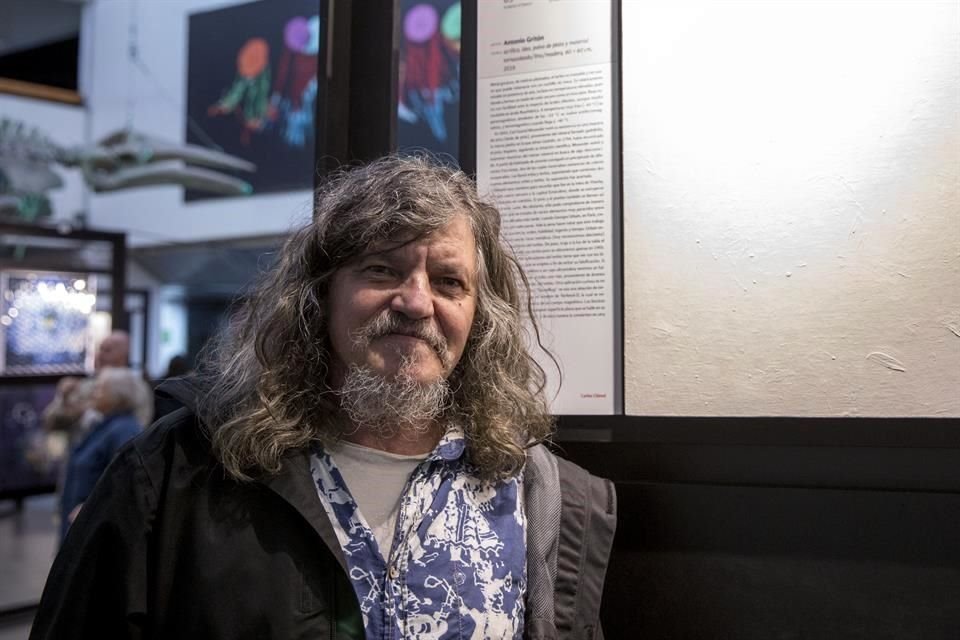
x=387, y=245
x=443, y=239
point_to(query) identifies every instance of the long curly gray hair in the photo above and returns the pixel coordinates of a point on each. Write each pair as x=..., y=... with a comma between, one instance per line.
x=266, y=374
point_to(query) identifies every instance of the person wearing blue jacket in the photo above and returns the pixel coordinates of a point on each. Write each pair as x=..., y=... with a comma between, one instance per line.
x=118, y=394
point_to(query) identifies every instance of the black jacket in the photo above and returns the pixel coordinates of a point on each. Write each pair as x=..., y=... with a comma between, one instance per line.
x=168, y=546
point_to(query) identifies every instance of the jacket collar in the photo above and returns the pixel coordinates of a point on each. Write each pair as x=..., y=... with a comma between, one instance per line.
x=183, y=391
x=294, y=484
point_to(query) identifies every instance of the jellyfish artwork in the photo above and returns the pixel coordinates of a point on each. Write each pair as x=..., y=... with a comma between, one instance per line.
x=429, y=68
x=248, y=95
x=294, y=92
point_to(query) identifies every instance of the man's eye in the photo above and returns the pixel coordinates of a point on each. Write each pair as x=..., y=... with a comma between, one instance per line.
x=450, y=283
x=378, y=270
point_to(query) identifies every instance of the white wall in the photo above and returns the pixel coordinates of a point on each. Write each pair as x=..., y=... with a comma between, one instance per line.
x=792, y=208
x=138, y=278
x=154, y=101
x=64, y=125
x=172, y=327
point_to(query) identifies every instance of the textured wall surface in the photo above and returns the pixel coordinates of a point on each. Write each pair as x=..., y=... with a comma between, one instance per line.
x=792, y=209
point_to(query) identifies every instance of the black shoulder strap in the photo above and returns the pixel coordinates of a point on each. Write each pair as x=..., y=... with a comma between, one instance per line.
x=541, y=486
x=588, y=523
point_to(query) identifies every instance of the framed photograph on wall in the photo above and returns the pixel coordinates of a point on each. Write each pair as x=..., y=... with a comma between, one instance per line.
x=253, y=88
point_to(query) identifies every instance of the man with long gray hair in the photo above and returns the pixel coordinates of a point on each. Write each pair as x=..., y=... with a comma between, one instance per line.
x=359, y=454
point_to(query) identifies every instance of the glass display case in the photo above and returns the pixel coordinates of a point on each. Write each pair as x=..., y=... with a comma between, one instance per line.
x=55, y=305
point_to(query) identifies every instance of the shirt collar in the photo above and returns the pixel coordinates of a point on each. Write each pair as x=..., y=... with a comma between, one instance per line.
x=452, y=445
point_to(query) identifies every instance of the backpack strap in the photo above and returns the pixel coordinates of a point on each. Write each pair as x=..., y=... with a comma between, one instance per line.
x=541, y=486
x=588, y=523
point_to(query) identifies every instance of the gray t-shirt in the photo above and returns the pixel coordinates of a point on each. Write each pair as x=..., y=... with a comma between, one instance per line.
x=376, y=480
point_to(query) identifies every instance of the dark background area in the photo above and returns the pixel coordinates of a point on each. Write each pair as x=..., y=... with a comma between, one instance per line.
x=22, y=469
x=53, y=64
x=778, y=527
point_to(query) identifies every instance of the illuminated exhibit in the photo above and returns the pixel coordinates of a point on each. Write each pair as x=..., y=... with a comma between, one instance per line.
x=46, y=323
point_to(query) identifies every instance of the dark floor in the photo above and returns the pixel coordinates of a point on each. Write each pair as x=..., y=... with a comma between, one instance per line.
x=28, y=540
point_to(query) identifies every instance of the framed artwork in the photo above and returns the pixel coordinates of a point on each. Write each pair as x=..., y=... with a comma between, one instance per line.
x=28, y=462
x=45, y=322
x=252, y=88
x=428, y=92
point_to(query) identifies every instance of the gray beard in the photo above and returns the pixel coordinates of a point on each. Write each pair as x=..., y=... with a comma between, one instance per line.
x=386, y=408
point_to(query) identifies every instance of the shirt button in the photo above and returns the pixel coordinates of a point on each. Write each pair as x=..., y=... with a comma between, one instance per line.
x=393, y=572
x=459, y=577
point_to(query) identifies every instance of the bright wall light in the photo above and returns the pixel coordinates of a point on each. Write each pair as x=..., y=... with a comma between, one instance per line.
x=58, y=294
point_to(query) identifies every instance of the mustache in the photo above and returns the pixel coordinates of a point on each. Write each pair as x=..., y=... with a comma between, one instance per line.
x=389, y=322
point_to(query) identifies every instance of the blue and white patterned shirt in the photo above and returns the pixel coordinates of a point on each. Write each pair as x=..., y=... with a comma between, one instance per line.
x=457, y=568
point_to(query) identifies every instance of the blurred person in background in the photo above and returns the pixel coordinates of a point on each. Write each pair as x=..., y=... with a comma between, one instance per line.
x=69, y=416
x=124, y=401
x=114, y=351
x=69, y=411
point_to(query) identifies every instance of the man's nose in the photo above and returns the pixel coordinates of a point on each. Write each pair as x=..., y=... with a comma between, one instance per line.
x=414, y=299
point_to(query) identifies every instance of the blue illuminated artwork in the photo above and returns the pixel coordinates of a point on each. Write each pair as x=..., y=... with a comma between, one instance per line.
x=46, y=323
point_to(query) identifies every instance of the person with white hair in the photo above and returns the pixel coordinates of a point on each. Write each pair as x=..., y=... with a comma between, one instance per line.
x=70, y=414
x=124, y=400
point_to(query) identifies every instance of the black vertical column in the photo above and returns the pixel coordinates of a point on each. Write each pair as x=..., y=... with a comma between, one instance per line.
x=119, y=320
x=373, y=79
x=357, y=119
x=332, y=109
x=468, y=86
